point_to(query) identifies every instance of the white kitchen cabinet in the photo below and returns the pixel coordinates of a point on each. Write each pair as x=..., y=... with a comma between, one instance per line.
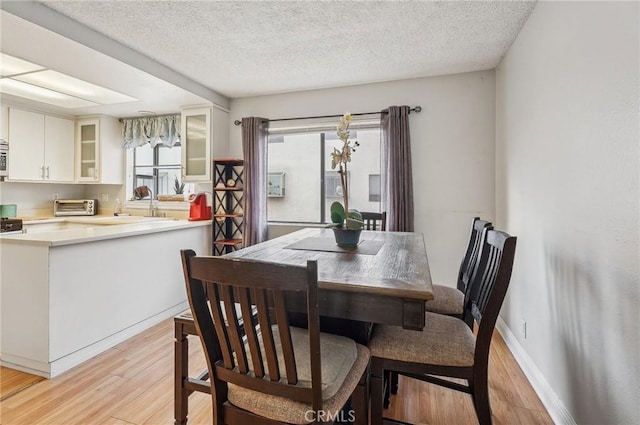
x=99, y=152
x=196, y=144
x=203, y=130
x=41, y=147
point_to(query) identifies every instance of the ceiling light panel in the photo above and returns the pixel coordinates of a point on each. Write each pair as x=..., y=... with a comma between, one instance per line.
x=10, y=65
x=65, y=84
x=39, y=94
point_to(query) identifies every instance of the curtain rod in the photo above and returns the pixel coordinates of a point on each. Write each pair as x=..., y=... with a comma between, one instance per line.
x=149, y=116
x=416, y=109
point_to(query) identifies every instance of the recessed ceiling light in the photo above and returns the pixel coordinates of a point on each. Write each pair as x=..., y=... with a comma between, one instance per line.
x=147, y=113
x=10, y=65
x=31, y=81
x=72, y=86
x=28, y=91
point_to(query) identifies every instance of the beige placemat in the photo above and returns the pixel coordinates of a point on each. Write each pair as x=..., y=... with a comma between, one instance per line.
x=329, y=245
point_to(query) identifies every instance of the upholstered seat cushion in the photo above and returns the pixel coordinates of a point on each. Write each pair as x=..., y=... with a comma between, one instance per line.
x=336, y=366
x=445, y=341
x=446, y=300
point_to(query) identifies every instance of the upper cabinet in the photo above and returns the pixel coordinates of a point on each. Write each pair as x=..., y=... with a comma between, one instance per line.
x=203, y=130
x=99, y=152
x=195, y=137
x=41, y=147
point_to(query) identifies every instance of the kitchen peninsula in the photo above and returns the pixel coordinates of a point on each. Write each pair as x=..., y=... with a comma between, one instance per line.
x=68, y=295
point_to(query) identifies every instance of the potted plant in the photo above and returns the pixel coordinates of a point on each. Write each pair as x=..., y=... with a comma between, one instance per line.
x=178, y=187
x=347, y=224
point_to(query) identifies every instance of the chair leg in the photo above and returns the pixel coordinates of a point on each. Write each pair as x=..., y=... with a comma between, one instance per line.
x=480, y=394
x=394, y=383
x=387, y=389
x=359, y=400
x=376, y=386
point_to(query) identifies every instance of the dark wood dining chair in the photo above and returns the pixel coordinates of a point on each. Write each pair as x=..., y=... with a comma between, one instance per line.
x=374, y=220
x=447, y=347
x=276, y=373
x=448, y=300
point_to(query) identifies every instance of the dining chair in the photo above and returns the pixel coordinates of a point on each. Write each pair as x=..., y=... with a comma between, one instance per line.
x=374, y=220
x=448, y=300
x=276, y=373
x=447, y=347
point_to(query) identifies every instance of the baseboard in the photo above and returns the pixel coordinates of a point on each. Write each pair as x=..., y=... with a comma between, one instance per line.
x=557, y=410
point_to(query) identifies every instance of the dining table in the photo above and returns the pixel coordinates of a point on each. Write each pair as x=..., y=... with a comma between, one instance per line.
x=384, y=279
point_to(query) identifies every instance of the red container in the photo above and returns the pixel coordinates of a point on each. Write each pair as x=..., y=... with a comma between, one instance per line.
x=198, y=210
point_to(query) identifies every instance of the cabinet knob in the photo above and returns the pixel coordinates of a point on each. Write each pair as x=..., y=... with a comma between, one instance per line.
x=47, y=171
x=42, y=172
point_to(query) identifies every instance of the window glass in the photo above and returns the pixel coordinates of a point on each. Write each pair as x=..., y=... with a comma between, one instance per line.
x=298, y=157
x=302, y=183
x=159, y=168
x=144, y=155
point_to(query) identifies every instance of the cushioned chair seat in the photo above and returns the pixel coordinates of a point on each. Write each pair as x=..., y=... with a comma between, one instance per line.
x=344, y=375
x=446, y=300
x=445, y=340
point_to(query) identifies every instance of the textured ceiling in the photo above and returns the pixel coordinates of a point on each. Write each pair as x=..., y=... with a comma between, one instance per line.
x=247, y=48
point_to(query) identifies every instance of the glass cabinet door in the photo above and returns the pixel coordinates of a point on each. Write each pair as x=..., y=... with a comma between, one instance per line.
x=196, y=144
x=88, y=150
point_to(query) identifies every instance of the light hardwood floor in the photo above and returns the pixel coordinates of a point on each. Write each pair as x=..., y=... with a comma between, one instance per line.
x=132, y=383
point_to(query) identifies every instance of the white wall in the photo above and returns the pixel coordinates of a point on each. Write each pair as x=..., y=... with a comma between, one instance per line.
x=452, y=148
x=567, y=161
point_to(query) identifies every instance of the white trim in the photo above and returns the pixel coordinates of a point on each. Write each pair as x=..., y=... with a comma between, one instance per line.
x=556, y=409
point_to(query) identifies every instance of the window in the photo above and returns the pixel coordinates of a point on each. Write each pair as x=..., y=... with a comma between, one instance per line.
x=374, y=187
x=311, y=185
x=158, y=168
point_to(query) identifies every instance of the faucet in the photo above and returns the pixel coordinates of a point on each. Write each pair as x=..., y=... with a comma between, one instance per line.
x=152, y=207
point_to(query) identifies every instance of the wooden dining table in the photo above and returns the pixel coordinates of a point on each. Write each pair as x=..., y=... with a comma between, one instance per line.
x=385, y=279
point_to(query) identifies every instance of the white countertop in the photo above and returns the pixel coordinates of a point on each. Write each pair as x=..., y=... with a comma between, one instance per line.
x=106, y=227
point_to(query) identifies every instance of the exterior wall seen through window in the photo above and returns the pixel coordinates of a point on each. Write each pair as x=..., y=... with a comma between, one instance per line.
x=303, y=185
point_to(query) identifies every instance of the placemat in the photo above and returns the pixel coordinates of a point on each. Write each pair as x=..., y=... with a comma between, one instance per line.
x=329, y=245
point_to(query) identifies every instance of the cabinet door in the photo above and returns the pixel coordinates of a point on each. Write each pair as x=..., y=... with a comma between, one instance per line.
x=196, y=144
x=87, y=150
x=26, y=145
x=58, y=149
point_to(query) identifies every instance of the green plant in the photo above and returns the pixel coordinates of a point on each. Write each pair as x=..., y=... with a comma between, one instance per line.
x=178, y=187
x=342, y=216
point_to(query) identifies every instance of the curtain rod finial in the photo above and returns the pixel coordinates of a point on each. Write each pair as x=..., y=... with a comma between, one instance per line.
x=237, y=122
x=418, y=109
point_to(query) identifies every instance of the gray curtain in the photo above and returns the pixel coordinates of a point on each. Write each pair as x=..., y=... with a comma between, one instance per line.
x=397, y=182
x=163, y=130
x=254, y=147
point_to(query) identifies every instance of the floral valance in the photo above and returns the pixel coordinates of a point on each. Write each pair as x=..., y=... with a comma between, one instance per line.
x=153, y=130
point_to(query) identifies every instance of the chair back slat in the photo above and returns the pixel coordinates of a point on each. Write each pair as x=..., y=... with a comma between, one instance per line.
x=267, y=335
x=243, y=350
x=244, y=299
x=214, y=299
x=374, y=221
x=234, y=333
x=282, y=319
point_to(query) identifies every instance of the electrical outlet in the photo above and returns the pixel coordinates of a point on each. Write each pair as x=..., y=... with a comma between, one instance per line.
x=105, y=197
x=524, y=328
x=54, y=196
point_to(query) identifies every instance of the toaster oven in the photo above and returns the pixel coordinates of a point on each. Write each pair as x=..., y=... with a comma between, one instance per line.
x=66, y=207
